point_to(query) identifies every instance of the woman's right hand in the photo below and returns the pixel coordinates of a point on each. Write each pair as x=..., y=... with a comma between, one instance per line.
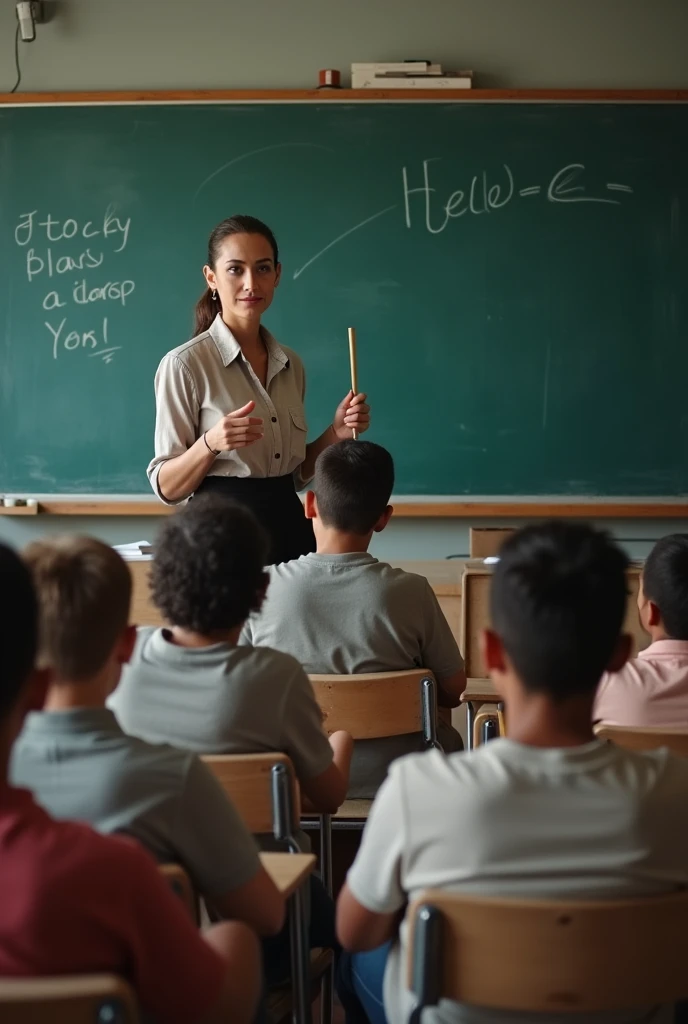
x=237, y=429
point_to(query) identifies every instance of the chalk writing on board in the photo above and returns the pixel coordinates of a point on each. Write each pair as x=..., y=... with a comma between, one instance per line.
x=44, y=239
x=490, y=191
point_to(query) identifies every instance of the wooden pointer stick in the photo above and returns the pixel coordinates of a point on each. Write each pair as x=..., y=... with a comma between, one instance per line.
x=354, y=367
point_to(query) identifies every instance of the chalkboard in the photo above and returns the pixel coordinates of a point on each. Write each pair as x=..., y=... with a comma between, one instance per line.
x=516, y=272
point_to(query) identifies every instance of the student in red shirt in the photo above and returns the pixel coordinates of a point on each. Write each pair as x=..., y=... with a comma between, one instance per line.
x=73, y=901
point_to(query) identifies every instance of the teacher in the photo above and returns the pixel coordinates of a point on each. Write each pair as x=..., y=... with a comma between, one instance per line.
x=229, y=403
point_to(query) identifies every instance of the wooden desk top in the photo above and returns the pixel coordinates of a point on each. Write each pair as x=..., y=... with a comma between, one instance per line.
x=481, y=691
x=288, y=870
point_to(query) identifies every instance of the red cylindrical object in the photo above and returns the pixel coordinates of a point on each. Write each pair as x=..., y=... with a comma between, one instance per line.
x=329, y=78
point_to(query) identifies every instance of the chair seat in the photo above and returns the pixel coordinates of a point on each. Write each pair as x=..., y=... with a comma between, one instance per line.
x=279, y=1000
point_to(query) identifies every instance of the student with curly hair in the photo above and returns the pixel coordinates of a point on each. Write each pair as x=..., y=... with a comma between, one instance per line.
x=191, y=685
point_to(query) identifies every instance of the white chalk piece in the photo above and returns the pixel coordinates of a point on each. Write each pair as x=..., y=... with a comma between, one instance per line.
x=491, y=559
x=31, y=502
x=10, y=502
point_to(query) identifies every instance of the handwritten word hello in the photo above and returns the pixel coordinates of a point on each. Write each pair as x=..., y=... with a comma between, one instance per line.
x=487, y=193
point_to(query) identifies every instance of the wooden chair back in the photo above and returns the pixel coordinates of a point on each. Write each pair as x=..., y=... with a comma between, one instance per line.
x=79, y=999
x=485, y=541
x=180, y=884
x=475, y=616
x=249, y=782
x=543, y=956
x=645, y=739
x=372, y=705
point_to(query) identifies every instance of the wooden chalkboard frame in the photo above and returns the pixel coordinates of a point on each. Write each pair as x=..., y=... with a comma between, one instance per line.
x=615, y=509
x=347, y=95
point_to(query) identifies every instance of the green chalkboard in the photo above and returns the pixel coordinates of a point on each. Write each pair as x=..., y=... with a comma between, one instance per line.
x=517, y=274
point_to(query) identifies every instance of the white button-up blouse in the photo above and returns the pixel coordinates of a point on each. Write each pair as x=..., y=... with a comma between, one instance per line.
x=206, y=378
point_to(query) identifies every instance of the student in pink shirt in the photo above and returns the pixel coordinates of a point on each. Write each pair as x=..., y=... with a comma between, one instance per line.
x=75, y=902
x=652, y=689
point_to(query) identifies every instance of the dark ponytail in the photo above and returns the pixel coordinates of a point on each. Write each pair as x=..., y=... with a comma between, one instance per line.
x=208, y=307
x=205, y=312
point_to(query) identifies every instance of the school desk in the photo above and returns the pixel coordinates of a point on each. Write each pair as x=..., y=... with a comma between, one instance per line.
x=288, y=870
x=476, y=617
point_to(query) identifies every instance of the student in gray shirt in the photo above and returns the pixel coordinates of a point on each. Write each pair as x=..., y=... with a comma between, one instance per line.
x=341, y=611
x=80, y=765
x=191, y=685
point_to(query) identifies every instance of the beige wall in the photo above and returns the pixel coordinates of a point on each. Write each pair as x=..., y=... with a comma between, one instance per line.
x=165, y=44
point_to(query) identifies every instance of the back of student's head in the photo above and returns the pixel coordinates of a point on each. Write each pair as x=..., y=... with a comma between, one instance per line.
x=353, y=484
x=208, y=573
x=665, y=583
x=558, y=600
x=84, y=592
x=18, y=628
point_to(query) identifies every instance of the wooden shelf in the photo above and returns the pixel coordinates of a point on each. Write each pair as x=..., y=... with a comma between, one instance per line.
x=498, y=509
x=19, y=510
x=349, y=95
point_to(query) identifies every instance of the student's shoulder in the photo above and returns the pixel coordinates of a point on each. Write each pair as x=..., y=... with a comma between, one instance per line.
x=267, y=663
x=166, y=766
x=83, y=860
x=394, y=576
x=290, y=573
x=425, y=774
x=144, y=638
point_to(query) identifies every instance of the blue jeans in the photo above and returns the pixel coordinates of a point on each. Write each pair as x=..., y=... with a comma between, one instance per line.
x=359, y=985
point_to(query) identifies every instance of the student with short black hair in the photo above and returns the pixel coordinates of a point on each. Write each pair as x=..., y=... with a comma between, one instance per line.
x=548, y=812
x=75, y=902
x=339, y=610
x=652, y=689
x=81, y=766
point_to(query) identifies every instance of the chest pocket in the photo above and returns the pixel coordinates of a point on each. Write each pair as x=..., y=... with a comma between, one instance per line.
x=297, y=433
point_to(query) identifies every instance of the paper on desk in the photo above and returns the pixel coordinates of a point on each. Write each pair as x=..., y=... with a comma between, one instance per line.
x=132, y=552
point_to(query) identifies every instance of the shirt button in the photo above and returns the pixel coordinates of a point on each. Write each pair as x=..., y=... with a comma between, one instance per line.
x=277, y=455
x=274, y=419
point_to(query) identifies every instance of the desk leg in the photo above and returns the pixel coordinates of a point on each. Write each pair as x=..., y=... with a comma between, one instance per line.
x=300, y=959
x=470, y=722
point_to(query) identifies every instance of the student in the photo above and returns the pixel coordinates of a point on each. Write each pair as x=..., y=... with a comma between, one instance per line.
x=73, y=901
x=81, y=766
x=339, y=610
x=191, y=685
x=652, y=689
x=547, y=812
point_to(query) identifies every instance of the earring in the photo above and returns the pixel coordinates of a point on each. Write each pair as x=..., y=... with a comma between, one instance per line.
x=214, y=296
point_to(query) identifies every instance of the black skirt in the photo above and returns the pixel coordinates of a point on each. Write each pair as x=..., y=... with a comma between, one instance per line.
x=277, y=507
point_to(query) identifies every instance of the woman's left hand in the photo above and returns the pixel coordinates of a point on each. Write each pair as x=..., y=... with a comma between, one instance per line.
x=352, y=414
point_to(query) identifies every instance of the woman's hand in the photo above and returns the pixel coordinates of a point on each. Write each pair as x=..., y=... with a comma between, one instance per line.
x=352, y=414
x=235, y=430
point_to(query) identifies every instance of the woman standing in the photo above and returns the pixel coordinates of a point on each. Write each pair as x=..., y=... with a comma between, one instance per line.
x=230, y=415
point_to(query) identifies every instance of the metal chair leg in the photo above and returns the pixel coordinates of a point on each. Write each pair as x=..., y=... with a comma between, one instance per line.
x=470, y=723
x=326, y=852
x=327, y=995
x=300, y=975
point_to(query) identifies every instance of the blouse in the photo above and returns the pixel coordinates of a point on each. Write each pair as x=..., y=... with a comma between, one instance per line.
x=201, y=381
